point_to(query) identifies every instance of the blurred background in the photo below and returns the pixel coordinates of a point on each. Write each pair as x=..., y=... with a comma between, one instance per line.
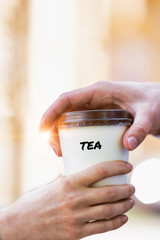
x=48, y=47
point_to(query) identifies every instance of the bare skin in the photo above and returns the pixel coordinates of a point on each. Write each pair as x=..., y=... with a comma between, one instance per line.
x=142, y=100
x=65, y=209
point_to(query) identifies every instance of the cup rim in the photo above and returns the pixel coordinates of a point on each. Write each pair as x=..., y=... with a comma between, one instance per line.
x=95, y=117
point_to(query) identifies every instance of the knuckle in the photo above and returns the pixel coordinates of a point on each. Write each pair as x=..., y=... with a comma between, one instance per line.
x=72, y=233
x=99, y=83
x=108, y=212
x=69, y=202
x=71, y=196
x=122, y=165
x=153, y=111
x=116, y=224
x=68, y=183
x=126, y=206
x=142, y=129
x=101, y=171
x=64, y=98
x=71, y=221
x=63, y=95
x=102, y=83
x=153, y=114
x=67, y=193
x=102, y=227
x=111, y=194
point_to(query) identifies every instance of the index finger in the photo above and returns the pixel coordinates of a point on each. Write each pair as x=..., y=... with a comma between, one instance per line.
x=103, y=170
x=65, y=102
x=84, y=98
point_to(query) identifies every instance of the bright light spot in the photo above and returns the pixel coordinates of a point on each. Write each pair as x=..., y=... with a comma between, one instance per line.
x=146, y=179
x=45, y=136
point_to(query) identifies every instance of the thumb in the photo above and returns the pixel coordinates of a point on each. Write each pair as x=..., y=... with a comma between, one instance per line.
x=135, y=135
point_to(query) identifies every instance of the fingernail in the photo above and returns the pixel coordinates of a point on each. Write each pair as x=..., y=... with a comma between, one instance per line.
x=132, y=202
x=130, y=167
x=132, y=142
x=124, y=219
x=132, y=187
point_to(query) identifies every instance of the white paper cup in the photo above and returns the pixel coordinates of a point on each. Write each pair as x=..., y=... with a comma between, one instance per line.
x=93, y=136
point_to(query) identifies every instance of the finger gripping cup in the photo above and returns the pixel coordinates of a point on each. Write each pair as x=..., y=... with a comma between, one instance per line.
x=93, y=136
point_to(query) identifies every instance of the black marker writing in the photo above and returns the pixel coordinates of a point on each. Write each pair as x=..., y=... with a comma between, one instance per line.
x=90, y=145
